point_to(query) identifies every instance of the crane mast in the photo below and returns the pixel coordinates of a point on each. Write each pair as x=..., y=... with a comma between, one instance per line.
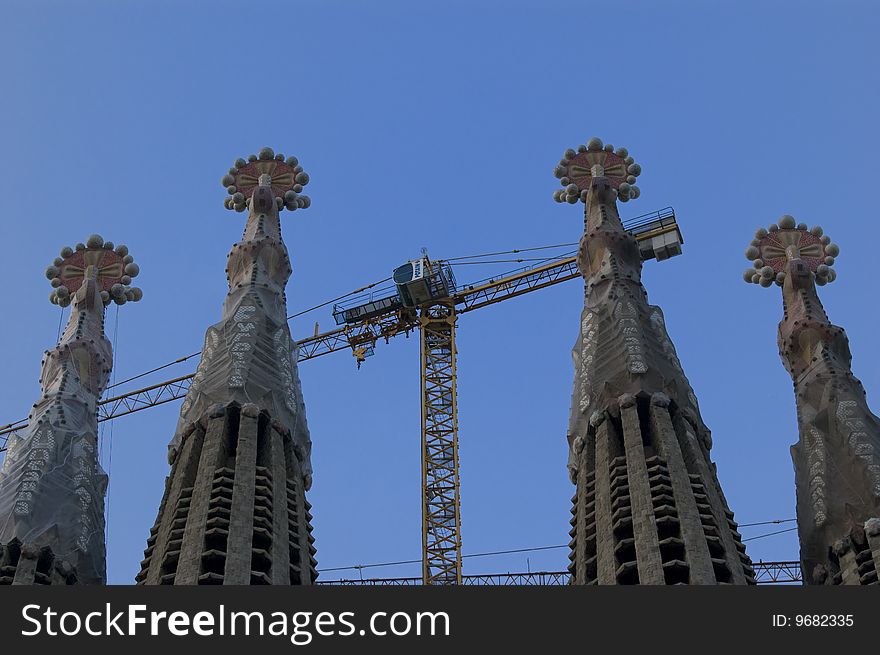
x=441, y=508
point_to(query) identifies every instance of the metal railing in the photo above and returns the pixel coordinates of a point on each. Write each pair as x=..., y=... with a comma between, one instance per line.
x=788, y=572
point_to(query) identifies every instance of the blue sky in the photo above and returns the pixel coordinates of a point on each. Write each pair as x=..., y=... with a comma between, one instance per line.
x=439, y=126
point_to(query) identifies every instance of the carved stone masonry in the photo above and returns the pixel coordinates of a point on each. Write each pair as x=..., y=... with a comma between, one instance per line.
x=837, y=458
x=234, y=509
x=648, y=507
x=52, y=486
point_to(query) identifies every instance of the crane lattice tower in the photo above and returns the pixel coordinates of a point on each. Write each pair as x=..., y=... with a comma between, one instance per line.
x=648, y=508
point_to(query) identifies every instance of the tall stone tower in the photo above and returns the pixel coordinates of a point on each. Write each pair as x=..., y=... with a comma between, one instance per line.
x=234, y=509
x=51, y=485
x=837, y=458
x=648, y=508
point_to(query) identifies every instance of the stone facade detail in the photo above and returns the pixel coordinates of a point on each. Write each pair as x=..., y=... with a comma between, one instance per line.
x=234, y=509
x=52, y=486
x=648, y=507
x=837, y=458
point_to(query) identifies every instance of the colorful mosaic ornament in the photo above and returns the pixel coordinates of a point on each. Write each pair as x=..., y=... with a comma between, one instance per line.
x=772, y=248
x=113, y=268
x=287, y=180
x=578, y=167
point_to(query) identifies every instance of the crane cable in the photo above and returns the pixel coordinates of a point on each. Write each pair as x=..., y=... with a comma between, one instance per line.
x=108, y=448
x=508, y=261
x=770, y=534
x=511, y=252
x=536, y=548
x=180, y=360
x=324, y=304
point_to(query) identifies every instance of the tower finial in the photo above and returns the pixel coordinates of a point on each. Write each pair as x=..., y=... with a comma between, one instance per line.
x=52, y=485
x=837, y=456
x=286, y=179
x=244, y=412
x=784, y=241
x=633, y=410
x=577, y=169
x=111, y=267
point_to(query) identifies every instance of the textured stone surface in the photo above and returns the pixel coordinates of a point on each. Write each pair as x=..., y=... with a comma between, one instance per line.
x=249, y=356
x=51, y=484
x=837, y=458
x=649, y=508
x=29, y=564
x=234, y=509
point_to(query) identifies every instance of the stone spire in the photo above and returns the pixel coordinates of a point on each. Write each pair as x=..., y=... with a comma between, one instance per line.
x=51, y=484
x=837, y=457
x=648, y=508
x=234, y=509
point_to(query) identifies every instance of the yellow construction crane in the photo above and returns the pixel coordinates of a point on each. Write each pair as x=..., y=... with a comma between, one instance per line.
x=428, y=300
x=425, y=297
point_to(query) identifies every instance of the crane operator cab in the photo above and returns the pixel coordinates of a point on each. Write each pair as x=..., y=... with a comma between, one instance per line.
x=420, y=281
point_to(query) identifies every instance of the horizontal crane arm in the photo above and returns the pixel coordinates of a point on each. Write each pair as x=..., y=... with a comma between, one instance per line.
x=362, y=336
x=359, y=337
x=164, y=392
x=516, y=285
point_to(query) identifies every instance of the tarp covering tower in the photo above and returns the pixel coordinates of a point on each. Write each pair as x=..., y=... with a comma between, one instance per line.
x=648, y=508
x=837, y=458
x=51, y=485
x=234, y=509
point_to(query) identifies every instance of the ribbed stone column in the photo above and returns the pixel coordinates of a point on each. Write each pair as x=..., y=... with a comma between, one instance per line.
x=281, y=545
x=693, y=537
x=607, y=565
x=643, y=520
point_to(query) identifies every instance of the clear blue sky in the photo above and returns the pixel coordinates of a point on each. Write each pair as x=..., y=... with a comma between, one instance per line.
x=439, y=126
